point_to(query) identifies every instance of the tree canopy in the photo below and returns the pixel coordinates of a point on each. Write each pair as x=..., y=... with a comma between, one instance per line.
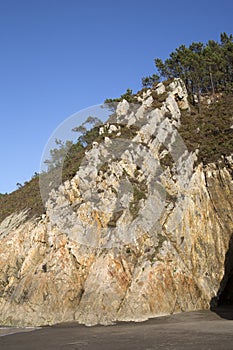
x=203, y=67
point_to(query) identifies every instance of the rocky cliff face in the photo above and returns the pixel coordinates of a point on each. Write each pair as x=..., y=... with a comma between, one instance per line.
x=142, y=229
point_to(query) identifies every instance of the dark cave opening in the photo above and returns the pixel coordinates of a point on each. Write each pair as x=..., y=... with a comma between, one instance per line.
x=223, y=303
x=226, y=296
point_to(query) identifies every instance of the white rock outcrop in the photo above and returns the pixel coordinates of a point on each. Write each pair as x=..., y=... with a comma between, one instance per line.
x=128, y=238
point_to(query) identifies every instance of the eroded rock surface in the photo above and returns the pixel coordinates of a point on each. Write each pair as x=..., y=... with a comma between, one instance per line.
x=142, y=230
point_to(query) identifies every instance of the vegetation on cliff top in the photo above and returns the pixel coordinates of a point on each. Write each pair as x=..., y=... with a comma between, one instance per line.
x=203, y=67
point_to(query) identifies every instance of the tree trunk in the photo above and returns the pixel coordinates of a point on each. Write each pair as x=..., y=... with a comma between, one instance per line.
x=212, y=83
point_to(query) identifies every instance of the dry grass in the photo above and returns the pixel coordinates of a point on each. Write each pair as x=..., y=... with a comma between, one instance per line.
x=210, y=131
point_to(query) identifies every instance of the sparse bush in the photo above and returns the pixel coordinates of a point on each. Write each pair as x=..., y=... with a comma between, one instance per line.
x=128, y=96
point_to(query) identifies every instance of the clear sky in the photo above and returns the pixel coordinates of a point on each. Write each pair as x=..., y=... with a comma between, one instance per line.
x=60, y=56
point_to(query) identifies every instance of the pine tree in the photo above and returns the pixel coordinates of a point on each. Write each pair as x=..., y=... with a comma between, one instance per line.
x=203, y=68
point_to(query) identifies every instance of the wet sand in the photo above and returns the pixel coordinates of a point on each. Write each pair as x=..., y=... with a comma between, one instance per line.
x=204, y=330
x=12, y=330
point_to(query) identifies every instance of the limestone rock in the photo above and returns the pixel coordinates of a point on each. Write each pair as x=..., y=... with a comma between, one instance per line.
x=128, y=238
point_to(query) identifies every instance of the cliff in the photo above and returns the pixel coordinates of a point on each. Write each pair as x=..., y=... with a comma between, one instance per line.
x=143, y=228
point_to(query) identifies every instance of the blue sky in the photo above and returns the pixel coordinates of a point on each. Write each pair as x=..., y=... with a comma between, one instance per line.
x=60, y=56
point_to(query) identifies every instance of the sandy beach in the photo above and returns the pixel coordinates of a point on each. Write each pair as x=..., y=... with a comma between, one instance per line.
x=203, y=330
x=12, y=330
